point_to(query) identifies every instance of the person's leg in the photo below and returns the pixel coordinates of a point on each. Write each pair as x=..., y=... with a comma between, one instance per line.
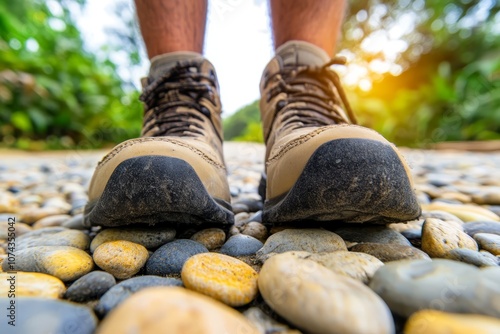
x=172, y=25
x=174, y=174
x=315, y=21
x=319, y=164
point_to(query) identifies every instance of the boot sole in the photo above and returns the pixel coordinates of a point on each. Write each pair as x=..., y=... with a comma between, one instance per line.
x=349, y=180
x=156, y=190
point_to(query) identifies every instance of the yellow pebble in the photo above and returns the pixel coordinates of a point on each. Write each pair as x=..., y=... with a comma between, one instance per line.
x=122, y=259
x=31, y=285
x=222, y=277
x=66, y=263
x=437, y=322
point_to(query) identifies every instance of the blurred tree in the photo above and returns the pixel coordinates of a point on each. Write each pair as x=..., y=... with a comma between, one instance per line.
x=51, y=88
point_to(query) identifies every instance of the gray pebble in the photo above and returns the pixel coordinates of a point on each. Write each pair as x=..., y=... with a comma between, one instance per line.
x=125, y=289
x=241, y=245
x=36, y=315
x=373, y=234
x=473, y=228
x=169, y=258
x=471, y=257
x=90, y=287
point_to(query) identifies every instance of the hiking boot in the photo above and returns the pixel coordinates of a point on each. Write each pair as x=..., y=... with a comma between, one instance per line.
x=319, y=165
x=174, y=173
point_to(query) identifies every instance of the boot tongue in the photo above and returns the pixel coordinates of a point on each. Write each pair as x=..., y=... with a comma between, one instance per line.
x=296, y=53
x=163, y=63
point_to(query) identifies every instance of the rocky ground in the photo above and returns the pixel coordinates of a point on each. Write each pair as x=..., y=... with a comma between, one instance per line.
x=438, y=274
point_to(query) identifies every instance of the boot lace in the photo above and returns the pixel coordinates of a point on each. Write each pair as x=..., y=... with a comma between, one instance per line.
x=186, y=87
x=313, y=86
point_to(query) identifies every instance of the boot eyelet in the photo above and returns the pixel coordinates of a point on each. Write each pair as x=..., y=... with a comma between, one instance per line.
x=280, y=105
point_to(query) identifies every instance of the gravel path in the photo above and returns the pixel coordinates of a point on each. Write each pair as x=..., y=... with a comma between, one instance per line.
x=438, y=274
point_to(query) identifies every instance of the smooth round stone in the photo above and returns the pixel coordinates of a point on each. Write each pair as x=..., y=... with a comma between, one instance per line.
x=308, y=240
x=440, y=237
x=121, y=291
x=443, y=215
x=359, y=266
x=211, y=238
x=221, y=277
x=41, y=315
x=176, y=311
x=491, y=198
x=411, y=234
x=266, y=324
x=256, y=230
x=473, y=228
x=30, y=216
x=488, y=242
x=451, y=286
x=169, y=258
x=31, y=285
x=75, y=223
x=241, y=218
x=63, y=262
x=465, y=212
x=455, y=196
x=319, y=301
x=53, y=237
x=19, y=229
x=90, y=287
x=239, y=208
x=8, y=203
x=390, y=252
x=471, y=257
x=373, y=234
x=241, y=245
x=50, y=221
x=151, y=237
x=436, y=322
x=122, y=259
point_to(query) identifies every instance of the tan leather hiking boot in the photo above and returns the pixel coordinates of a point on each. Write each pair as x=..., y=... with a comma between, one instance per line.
x=319, y=165
x=175, y=172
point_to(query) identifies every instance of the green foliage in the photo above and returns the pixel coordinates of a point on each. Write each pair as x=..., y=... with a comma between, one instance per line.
x=244, y=125
x=51, y=90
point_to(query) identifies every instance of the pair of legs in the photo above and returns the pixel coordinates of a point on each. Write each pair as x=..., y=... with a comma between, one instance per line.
x=177, y=25
x=320, y=165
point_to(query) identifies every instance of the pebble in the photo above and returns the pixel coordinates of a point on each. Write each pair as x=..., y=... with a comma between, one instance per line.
x=63, y=262
x=471, y=257
x=121, y=291
x=359, y=266
x=222, y=277
x=439, y=237
x=41, y=315
x=443, y=215
x=32, y=215
x=8, y=203
x=488, y=242
x=90, y=287
x=241, y=218
x=390, y=252
x=53, y=237
x=308, y=240
x=373, y=234
x=55, y=220
x=265, y=324
x=75, y=222
x=466, y=212
x=169, y=258
x=211, y=238
x=241, y=245
x=314, y=298
x=411, y=285
x=491, y=198
x=150, y=237
x=122, y=259
x=482, y=227
x=31, y=285
x=256, y=230
x=17, y=228
x=436, y=322
x=176, y=311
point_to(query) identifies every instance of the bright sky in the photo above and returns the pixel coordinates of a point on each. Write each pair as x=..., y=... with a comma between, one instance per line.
x=238, y=43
